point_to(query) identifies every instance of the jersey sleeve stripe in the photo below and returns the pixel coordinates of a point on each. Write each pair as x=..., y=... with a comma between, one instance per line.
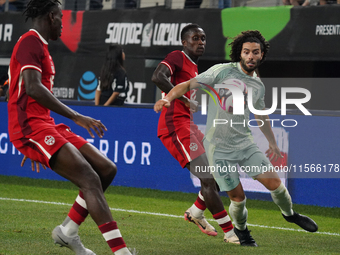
x=168, y=67
x=30, y=67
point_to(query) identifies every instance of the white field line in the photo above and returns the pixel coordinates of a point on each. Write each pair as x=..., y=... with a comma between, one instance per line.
x=162, y=214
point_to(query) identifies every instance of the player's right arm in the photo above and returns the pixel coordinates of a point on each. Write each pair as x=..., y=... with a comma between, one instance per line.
x=273, y=152
x=176, y=92
x=36, y=90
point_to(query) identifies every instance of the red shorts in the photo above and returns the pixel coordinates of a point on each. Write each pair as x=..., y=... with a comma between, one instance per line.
x=40, y=147
x=185, y=144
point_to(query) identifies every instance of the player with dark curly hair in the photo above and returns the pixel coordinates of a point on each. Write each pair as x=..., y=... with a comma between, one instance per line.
x=34, y=133
x=232, y=144
x=252, y=36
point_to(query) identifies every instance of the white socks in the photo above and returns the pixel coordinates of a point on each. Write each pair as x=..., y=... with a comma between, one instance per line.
x=69, y=227
x=229, y=233
x=283, y=200
x=239, y=214
x=195, y=210
x=123, y=251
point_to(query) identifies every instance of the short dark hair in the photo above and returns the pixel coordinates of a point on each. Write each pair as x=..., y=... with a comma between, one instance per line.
x=185, y=31
x=248, y=36
x=36, y=8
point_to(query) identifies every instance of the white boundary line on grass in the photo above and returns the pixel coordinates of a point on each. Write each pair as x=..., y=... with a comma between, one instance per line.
x=160, y=214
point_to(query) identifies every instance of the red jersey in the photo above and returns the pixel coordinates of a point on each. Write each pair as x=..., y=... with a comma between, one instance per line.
x=182, y=68
x=25, y=115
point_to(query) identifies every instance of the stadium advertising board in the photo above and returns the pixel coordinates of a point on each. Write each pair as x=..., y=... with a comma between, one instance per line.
x=146, y=34
x=153, y=33
x=144, y=162
x=150, y=34
x=312, y=34
x=294, y=34
x=12, y=26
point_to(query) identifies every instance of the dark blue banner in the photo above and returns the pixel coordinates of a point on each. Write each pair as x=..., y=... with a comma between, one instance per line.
x=131, y=142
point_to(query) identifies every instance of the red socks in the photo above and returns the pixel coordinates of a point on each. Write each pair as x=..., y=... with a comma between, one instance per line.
x=224, y=221
x=112, y=235
x=79, y=211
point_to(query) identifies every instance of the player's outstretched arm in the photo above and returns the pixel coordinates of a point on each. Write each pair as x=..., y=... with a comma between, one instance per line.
x=266, y=129
x=161, y=77
x=90, y=124
x=37, y=91
x=176, y=92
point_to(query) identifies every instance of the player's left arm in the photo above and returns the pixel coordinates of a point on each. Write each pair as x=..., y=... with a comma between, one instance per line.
x=36, y=90
x=268, y=133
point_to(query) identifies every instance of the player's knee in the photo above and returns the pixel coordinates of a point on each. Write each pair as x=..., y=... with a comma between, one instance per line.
x=270, y=183
x=111, y=171
x=274, y=184
x=237, y=197
x=108, y=170
x=91, y=182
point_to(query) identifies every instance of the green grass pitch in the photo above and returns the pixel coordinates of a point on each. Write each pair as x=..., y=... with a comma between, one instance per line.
x=150, y=221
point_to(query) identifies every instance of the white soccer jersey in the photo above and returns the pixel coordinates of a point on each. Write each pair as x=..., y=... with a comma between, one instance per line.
x=235, y=134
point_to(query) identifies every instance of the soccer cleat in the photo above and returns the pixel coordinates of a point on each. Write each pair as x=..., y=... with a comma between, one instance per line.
x=303, y=221
x=133, y=251
x=202, y=223
x=73, y=243
x=231, y=239
x=245, y=238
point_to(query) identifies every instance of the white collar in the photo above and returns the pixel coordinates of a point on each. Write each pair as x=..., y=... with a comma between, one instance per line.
x=189, y=58
x=41, y=38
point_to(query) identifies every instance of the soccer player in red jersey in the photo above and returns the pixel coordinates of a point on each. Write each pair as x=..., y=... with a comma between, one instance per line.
x=34, y=133
x=182, y=137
